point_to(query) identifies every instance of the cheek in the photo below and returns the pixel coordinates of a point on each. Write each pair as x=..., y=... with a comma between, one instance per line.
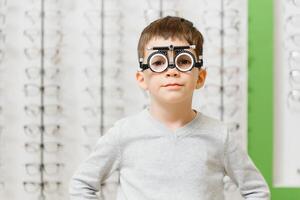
x=148, y=78
x=153, y=81
x=192, y=79
x=192, y=84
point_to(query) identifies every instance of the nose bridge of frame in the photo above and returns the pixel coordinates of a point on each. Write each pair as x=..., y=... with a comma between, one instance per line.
x=170, y=54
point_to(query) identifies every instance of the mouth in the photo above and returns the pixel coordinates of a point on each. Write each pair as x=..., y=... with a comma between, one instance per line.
x=173, y=85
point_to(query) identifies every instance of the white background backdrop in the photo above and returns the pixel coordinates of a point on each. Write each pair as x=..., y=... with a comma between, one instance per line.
x=287, y=82
x=84, y=51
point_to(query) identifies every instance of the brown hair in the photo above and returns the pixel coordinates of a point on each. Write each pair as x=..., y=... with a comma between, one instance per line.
x=171, y=27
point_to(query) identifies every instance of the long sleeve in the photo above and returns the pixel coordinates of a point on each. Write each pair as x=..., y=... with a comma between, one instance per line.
x=103, y=162
x=241, y=169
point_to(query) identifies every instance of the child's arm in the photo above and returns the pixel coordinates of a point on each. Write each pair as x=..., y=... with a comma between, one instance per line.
x=99, y=165
x=241, y=169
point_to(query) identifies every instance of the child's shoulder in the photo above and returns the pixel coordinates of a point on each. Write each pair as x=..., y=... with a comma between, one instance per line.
x=132, y=121
x=212, y=126
x=208, y=122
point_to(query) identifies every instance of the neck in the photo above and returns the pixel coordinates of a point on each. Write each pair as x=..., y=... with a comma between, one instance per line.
x=172, y=115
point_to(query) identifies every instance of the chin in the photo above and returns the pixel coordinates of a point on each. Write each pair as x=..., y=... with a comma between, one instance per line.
x=174, y=99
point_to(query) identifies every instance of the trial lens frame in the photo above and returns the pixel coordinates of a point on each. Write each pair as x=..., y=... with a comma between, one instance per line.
x=172, y=48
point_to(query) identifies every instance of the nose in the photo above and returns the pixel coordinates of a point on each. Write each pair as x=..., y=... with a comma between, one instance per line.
x=172, y=72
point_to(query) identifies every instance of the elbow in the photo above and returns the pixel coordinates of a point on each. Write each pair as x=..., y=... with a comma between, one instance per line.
x=268, y=194
x=75, y=188
x=260, y=192
x=80, y=190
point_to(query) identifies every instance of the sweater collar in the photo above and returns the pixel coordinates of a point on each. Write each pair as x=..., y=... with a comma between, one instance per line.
x=185, y=129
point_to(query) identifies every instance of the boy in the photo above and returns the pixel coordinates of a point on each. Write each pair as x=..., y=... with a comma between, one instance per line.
x=169, y=151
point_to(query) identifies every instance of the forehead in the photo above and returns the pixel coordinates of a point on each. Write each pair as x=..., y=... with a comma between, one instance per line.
x=160, y=41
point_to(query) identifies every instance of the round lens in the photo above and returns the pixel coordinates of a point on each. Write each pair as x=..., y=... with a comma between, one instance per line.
x=184, y=61
x=158, y=62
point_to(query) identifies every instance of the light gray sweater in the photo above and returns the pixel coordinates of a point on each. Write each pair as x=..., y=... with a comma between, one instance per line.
x=155, y=163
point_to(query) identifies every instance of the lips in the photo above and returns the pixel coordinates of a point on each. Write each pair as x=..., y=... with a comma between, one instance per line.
x=172, y=84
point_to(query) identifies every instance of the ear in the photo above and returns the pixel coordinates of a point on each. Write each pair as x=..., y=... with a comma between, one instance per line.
x=140, y=78
x=201, y=78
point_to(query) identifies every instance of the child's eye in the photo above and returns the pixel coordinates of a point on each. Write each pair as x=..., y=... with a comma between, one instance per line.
x=157, y=63
x=184, y=62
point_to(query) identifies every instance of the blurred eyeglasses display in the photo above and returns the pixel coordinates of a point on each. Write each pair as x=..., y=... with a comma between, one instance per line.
x=67, y=75
x=286, y=94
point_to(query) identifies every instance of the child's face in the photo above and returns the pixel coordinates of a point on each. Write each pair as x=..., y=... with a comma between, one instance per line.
x=170, y=86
